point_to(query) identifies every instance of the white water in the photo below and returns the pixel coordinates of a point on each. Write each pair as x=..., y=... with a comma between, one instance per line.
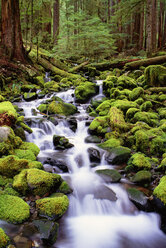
x=92, y=220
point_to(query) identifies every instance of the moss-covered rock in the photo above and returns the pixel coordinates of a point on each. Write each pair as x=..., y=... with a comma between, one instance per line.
x=124, y=105
x=30, y=146
x=136, y=93
x=131, y=112
x=118, y=155
x=139, y=101
x=139, y=161
x=13, y=209
x=36, y=181
x=116, y=120
x=109, y=175
x=53, y=207
x=28, y=88
x=84, y=91
x=142, y=176
x=25, y=154
x=104, y=107
x=162, y=166
x=155, y=75
x=110, y=143
x=43, y=108
x=30, y=96
x=126, y=82
x=61, y=108
x=147, y=117
x=142, y=140
x=162, y=113
x=4, y=239
x=146, y=106
x=138, y=197
x=99, y=125
x=52, y=85
x=39, y=80
x=2, y=98
x=5, y=180
x=65, y=188
x=160, y=190
x=60, y=142
x=8, y=190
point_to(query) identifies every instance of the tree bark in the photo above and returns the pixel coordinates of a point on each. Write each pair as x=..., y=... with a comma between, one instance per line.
x=11, y=37
x=56, y=21
x=149, y=27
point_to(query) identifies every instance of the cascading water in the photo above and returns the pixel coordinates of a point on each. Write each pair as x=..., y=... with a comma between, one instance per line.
x=95, y=219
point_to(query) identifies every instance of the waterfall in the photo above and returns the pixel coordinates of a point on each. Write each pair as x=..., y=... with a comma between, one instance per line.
x=93, y=220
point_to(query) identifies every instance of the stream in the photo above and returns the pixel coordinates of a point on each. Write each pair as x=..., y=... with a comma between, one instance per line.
x=93, y=219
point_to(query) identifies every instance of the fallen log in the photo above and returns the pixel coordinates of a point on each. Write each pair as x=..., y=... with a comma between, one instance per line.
x=145, y=62
x=78, y=67
x=56, y=62
x=49, y=67
x=156, y=89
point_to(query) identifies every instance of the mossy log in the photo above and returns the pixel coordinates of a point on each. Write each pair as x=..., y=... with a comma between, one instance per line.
x=157, y=89
x=145, y=62
x=111, y=64
x=56, y=62
x=78, y=67
x=50, y=67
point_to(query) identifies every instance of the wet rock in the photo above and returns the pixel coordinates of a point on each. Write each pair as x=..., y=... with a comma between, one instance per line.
x=22, y=242
x=92, y=139
x=118, y=155
x=138, y=198
x=48, y=230
x=53, y=120
x=105, y=193
x=58, y=163
x=94, y=155
x=4, y=133
x=28, y=88
x=65, y=188
x=109, y=175
x=60, y=142
x=72, y=122
x=30, y=96
x=142, y=177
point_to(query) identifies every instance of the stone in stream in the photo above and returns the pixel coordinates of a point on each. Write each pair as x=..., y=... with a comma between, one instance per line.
x=138, y=198
x=94, y=154
x=57, y=163
x=60, y=142
x=92, y=139
x=72, y=122
x=48, y=230
x=109, y=175
x=142, y=177
x=30, y=96
x=104, y=193
x=118, y=155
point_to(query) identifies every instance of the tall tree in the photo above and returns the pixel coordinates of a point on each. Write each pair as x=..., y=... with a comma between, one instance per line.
x=56, y=20
x=11, y=37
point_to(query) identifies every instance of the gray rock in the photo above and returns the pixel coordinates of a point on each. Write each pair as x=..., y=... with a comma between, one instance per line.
x=94, y=154
x=109, y=175
x=118, y=155
x=92, y=139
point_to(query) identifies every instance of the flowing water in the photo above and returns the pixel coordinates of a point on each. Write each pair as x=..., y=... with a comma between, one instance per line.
x=94, y=219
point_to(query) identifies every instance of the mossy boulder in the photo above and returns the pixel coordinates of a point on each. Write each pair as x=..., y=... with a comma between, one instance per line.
x=136, y=93
x=124, y=105
x=142, y=177
x=43, y=108
x=109, y=175
x=142, y=140
x=8, y=108
x=61, y=142
x=53, y=207
x=36, y=181
x=116, y=120
x=155, y=75
x=25, y=154
x=39, y=80
x=84, y=91
x=162, y=113
x=110, y=143
x=65, y=188
x=30, y=146
x=137, y=197
x=139, y=161
x=131, y=112
x=150, y=118
x=104, y=107
x=28, y=88
x=160, y=190
x=146, y=106
x=99, y=125
x=92, y=139
x=118, y=155
x=52, y=85
x=13, y=209
x=2, y=98
x=4, y=239
x=61, y=108
x=126, y=82
x=162, y=165
x=30, y=96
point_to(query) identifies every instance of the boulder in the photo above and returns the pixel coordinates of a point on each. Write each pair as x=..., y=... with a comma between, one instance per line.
x=4, y=239
x=13, y=209
x=160, y=190
x=60, y=142
x=94, y=155
x=155, y=75
x=61, y=108
x=84, y=91
x=139, y=161
x=30, y=96
x=109, y=175
x=138, y=198
x=92, y=139
x=118, y=155
x=142, y=177
x=72, y=122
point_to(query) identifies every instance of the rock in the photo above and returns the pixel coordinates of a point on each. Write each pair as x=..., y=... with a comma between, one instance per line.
x=155, y=75
x=110, y=143
x=84, y=91
x=4, y=133
x=65, y=188
x=4, y=239
x=28, y=88
x=123, y=105
x=109, y=175
x=116, y=120
x=43, y=108
x=160, y=190
x=22, y=242
x=136, y=93
x=36, y=181
x=30, y=96
x=94, y=155
x=61, y=108
x=118, y=155
x=53, y=120
x=72, y=121
x=105, y=193
x=60, y=142
x=92, y=139
x=13, y=209
x=58, y=163
x=142, y=177
x=53, y=207
x=99, y=125
x=48, y=230
x=138, y=198
x=139, y=161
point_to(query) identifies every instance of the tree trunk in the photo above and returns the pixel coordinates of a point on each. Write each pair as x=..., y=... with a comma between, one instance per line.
x=154, y=24
x=11, y=37
x=56, y=21
x=141, y=32
x=149, y=27
x=160, y=24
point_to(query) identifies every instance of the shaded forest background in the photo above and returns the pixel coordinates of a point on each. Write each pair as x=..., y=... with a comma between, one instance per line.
x=93, y=29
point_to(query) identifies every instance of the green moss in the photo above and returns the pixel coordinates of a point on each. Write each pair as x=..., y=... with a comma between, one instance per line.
x=124, y=105
x=131, y=112
x=27, y=88
x=36, y=181
x=162, y=113
x=99, y=123
x=155, y=75
x=52, y=85
x=110, y=175
x=43, y=108
x=53, y=208
x=39, y=81
x=25, y=127
x=104, y=106
x=163, y=164
x=25, y=154
x=65, y=188
x=146, y=106
x=30, y=96
x=146, y=117
x=61, y=108
x=30, y=146
x=2, y=98
x=157, y=145
x=126, y=82
x=136, y=93
x=11, y=165
x=139, y=161
x=160, y=190
x=35, y=165
x=162, y=97
x=142, y=140
x=8, y=190
x=117, y=121
x=84, y=91
x=142, y=176
x=139, y=101
x=4, y=239
x=110, y=143
x=13, y=209
x=4, y=180
x=7, y=107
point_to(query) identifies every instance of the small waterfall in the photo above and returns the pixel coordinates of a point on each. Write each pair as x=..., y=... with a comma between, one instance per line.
x=47, y=77
x=94, y=219
x=100, y=96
